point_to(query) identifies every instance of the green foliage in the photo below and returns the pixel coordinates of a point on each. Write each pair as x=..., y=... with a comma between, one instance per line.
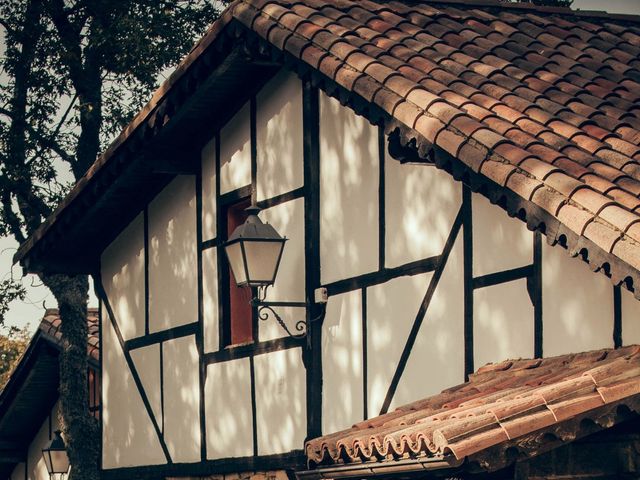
x=73, y=75
x=10, y=290
x=13, y=342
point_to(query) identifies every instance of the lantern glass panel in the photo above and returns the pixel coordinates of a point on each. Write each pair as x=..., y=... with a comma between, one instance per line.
x=262, y=260
x=46, y=454
x=59, y=461
x=234, y=253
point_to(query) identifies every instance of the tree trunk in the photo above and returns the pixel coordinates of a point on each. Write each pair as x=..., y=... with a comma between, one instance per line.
x=81, y=430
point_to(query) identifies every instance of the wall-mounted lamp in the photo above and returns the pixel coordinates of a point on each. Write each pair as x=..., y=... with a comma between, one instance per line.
x=254, y=251
x=56, y=458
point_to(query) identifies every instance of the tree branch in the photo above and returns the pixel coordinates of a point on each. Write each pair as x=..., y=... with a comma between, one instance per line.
x=46, y=143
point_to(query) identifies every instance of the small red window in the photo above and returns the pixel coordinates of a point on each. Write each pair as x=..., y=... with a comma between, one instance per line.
x=240, y=311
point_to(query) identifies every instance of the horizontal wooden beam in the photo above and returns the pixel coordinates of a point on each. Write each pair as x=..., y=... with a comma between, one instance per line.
x=252, y=349
x=382, y=276
x=163, y=336
x=503, y=277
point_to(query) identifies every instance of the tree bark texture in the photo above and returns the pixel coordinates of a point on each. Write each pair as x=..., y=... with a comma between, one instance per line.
x=81, y=430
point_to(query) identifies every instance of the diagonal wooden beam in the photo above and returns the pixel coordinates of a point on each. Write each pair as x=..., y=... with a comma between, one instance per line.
x=422, y=311
x=134, y=372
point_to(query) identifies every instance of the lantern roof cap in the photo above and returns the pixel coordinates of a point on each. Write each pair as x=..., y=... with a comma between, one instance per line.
x=255, y=229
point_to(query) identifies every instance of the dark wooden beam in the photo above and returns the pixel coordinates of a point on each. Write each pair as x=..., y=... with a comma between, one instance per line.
x=505, y=276
x=422, y=311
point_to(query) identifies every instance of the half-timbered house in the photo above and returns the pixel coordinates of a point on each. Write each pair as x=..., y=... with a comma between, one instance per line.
x=459, y=183
x=29, y=402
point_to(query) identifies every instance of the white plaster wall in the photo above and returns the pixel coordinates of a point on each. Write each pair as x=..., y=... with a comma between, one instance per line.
x=630, y=318
x=36, y=467
x=208, y=158
x=391, y=312
x=421, y=204
x=499, y=242
x=279, y=136
x=122, y=272
x=349, y=181
x=235, y=152
x=173, y=273
x=228, y=414
x=502, y=323
x=181, y=391
x=288, y=219
x=437, y=358
x=577, y=305
x=342, y=399
x=281, y=412
x=147, y=362
x=210, y=299
x=128, y=436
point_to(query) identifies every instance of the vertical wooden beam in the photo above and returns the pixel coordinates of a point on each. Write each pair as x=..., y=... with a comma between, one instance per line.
x=365, y=369
x=202, y=368
x=467, y=245
x=146, y=269
x=224, y=332
x=101, y=356
x=381, y=200
x=313, y=351
x=253, y=140
x=254, y=419
x=254, y=149
x=161, y=348
x=536, y=293
x=617, y=316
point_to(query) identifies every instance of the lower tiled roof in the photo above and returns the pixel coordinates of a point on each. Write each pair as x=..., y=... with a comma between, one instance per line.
x=524, y=406
x=51, y=324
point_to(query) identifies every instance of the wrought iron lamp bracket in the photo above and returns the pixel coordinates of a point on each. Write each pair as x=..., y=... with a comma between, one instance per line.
x=266, y=309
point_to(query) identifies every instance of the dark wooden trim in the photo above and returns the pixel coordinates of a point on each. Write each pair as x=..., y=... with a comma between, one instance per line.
x=132, y=368
x=294, y=460
x=162, y=336
x=252, y=349
x=223, y=285
x=282, y=198
x=161, y=348
x=234, y=196
x=253, y=134
x=101, y=347
x=424, y=306
x=505, y=276
x=207, y=244
x=146, y=269
x=365, y=369
x=467, y=278
x=254, y=416
x=536, y=294
x=200, y=331
x=312, y=354
x=382, y=276
x=382, y=228
x=617, y=316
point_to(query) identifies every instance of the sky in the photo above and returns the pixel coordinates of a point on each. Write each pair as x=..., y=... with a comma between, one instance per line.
x=31, y=310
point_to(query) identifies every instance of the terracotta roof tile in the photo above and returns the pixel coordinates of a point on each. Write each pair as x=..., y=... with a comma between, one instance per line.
x=507, y=402
x=51, y=324
x=538, y=90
